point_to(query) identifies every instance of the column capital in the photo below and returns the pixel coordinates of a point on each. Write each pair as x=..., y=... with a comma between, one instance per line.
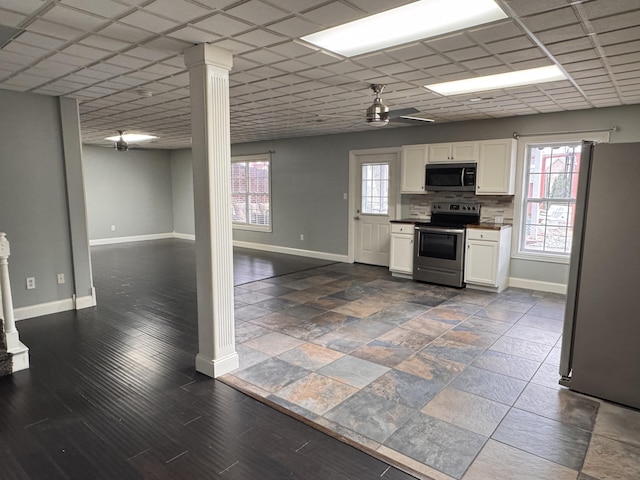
x=205, y=54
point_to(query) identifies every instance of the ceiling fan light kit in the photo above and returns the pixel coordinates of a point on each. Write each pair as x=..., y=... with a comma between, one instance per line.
x=378, y=112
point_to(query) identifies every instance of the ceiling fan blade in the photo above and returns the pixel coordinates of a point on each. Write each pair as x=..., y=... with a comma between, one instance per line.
x=402, y=112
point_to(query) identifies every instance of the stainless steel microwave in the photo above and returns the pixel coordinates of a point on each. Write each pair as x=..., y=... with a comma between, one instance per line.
x=451, y=177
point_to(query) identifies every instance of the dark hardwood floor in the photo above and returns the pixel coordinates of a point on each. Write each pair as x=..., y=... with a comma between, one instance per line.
x=112, y=392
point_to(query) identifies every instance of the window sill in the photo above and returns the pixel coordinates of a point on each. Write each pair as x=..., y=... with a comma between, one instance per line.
x=252, y=228
x=542, y=257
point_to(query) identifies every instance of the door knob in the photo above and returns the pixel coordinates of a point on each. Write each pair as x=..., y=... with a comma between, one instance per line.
x=356, y=217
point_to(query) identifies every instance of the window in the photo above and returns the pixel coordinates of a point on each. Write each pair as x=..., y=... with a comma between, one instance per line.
x=251, y=192
x=375, y=188
x=549, y=197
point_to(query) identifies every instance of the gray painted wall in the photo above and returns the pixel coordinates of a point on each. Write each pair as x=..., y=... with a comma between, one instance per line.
x=182, y=190
x=310, y=174
x=33, y=202
x=131, y=190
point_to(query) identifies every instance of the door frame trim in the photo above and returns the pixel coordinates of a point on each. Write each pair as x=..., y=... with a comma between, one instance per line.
x=353, y=161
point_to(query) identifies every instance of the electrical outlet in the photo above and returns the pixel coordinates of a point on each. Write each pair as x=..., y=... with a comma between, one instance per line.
x=31, y=283
x=60, y=278
x=301, y=237
x=344, y=196
x=499, y=219
x=113, y=228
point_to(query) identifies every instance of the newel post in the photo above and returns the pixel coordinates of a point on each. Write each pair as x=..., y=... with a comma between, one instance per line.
x=14, y=346
x=5, y=291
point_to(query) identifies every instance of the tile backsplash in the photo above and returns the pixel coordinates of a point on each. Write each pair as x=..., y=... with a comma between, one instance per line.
x=491, y=206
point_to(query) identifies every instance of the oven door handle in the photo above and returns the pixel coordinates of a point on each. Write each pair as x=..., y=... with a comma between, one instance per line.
x=439, y=230
x=462, y=176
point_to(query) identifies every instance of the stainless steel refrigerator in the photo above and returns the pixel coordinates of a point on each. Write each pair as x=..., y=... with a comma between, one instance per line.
x=601, y=339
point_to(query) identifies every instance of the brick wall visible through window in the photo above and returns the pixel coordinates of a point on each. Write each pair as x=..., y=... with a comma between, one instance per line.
x=251, y=192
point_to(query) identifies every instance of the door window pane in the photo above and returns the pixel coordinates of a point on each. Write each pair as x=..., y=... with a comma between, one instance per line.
x=375, y=188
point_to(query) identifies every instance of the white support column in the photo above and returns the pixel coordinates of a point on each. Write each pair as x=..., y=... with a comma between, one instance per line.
x=211, y=149
x=14, y=346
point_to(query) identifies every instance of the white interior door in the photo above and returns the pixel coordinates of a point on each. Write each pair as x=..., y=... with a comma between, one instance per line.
x=375, y=197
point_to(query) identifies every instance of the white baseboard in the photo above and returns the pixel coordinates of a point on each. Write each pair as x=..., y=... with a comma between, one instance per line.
x=40, y=309
x=538, y=285
x=236, y=243
x=185, y=236
x=134, y=238
x=292, y=251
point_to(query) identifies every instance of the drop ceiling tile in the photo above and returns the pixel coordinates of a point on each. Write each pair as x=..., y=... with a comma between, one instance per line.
x=625, y=59
x=178, y=10
x=73, y=18
x=566, y=32
x=294, y=27
x=527, y=7
x=334, y=13
x=70, y=59
x=85, y=52
x=375, y=6
x=570, y=46
x=556, y=18
x=26, y=7
x=467, y=54
x=622, y=48
x=319, y=59
x=104, y=8
x=259, y=38
x=234, y=47
x=619, y=36
x=109, y=68
x=223, y=25
x=452, y=42
x=523, y=55
x=128, y=62
x=148, y=54
x=125, y=33
x=54, y=30
x=428, y=62
x=495, y=32
x=194, y=35
x=11, y=19
x=26, y=50
x=148, y=21
x=616, y=22
x=520, y=42
x=601, y=8
x=290, y=49
x=257, y=12
x=291, y=66
x=53, y=68
x=579, y=56
x=163, y=70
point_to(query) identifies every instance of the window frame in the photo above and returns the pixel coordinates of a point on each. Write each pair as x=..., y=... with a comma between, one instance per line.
x=261, y=158
x=521, y=195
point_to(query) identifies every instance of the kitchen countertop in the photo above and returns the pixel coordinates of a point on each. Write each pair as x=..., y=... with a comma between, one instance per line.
x=490, y=226
x=484, y=226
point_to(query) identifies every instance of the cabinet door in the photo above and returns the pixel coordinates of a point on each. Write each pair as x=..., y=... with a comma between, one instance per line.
x=401, y=259
x=496, y=167
x=414, y=159
x=481, y=263
x=439, y=152
x=464, y=152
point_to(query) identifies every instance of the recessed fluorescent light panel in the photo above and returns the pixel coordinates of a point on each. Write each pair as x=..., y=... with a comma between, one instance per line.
x=502, y=80
x=131, y=137
x=415, y=21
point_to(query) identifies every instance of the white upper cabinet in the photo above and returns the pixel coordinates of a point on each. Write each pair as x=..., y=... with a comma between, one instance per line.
x=496, y=167
x=453, y=152
x=412, y=171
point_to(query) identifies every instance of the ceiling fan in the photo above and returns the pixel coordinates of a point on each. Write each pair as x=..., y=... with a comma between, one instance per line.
x=121, y=145
x=379, y=115
x=122, y=141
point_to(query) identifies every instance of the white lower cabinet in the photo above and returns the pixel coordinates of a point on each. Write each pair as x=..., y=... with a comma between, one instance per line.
x=401, y=258
x=486, y=264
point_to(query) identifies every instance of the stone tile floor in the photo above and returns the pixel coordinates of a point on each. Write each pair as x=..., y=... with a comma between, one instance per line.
x=446, y=383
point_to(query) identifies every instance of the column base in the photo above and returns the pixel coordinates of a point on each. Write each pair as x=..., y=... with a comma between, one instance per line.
x=20, y=357
x=217, y=367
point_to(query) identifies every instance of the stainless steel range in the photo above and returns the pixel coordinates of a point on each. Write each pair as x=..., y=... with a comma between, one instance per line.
x=439, y=244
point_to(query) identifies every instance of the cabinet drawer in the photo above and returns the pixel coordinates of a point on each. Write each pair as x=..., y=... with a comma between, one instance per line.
x=405, y=228
x=479, y=234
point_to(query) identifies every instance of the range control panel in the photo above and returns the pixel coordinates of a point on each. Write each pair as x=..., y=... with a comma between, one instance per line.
x=453, y=208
